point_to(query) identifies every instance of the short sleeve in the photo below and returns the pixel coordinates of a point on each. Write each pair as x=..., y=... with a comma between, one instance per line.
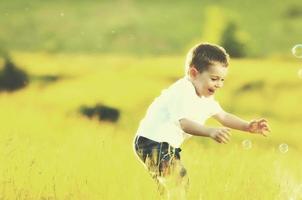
x=215, y=108
x=180, y=108
x=181, y=104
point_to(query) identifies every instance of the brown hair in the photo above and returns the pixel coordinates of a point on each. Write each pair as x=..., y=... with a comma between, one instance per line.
x=203, y=55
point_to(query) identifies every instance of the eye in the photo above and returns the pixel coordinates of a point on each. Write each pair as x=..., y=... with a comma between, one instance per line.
x=214, y=79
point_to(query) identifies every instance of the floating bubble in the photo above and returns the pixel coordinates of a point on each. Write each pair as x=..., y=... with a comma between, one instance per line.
x=283, y=148
x=247, y=144
x=62, y=14
x=113, y=31
x=300, y=73
x=297, y=50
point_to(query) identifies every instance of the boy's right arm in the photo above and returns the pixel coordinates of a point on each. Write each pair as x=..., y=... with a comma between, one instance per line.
x=220, y=135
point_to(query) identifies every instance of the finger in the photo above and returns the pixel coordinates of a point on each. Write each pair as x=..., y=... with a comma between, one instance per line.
x=218, y=140
x=223, y=138
x=225, y=133
x=226, y=130
x=226, y=136
x=262, y=123
x=262, y=120
x=265, y=131
x=265, y=127
x=226, y=140
x=268, y=128
x=264, y=134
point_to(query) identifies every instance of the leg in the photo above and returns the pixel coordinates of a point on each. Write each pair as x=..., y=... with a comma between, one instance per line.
x=164, y=166
x=176, y=179
x=152, y=166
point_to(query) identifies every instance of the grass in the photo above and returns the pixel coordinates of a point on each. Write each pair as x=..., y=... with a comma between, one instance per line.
x=146, y=27
x=50, y=151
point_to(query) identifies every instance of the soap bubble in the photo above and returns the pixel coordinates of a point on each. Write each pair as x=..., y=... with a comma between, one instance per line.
x=62, y=14
x=283, y=148
x=297, y=50
x=246, y=144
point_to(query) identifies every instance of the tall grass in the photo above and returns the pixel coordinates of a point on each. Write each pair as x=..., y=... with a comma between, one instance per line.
x=49, y=151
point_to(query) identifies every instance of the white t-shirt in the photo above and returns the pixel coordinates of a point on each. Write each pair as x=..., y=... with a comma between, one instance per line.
x=161, y=122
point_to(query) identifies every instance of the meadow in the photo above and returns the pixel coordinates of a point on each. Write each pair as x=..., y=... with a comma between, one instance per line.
x=50, y=151
x=122, y=53
x=143, y=27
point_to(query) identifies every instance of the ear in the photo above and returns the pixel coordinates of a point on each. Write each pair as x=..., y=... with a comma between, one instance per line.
x=193, y=72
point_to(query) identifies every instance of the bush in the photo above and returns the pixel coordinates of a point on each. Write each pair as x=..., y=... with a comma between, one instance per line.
x=293, y=11
x=12, y=78
x=232, y=42
x=102, y=112
x=251, y=86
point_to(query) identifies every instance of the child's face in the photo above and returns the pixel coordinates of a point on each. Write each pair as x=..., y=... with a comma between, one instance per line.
x=207, y=82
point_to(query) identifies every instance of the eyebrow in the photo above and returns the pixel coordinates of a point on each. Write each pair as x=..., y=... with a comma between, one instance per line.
x=216, y=76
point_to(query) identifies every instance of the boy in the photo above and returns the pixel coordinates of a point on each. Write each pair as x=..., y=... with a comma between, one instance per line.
x=180, y=112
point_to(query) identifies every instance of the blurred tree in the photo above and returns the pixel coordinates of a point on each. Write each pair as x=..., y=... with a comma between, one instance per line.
x=102, y=112
x=215, y=23
x=232, y=42
x=11, y=78
x=293, y=11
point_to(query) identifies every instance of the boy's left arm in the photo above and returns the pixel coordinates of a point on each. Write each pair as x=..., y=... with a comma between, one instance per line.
x=259, y=126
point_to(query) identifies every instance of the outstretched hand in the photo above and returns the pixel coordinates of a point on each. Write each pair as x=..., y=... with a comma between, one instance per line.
x=259, y=126
x=220, y=135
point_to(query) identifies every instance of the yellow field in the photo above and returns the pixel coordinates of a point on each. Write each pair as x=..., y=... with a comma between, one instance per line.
x=49, y=151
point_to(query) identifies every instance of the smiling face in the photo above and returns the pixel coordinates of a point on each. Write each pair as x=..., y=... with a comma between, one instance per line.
x=207, y=82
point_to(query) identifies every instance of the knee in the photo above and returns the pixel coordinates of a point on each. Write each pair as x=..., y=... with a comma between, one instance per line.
x=182, y=172
x=184, y=178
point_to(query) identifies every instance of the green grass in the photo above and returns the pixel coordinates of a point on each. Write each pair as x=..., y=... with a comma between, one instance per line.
x=143, y=27
x=50, y=151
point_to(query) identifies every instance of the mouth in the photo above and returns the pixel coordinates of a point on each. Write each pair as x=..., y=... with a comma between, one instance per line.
x=211, y=91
